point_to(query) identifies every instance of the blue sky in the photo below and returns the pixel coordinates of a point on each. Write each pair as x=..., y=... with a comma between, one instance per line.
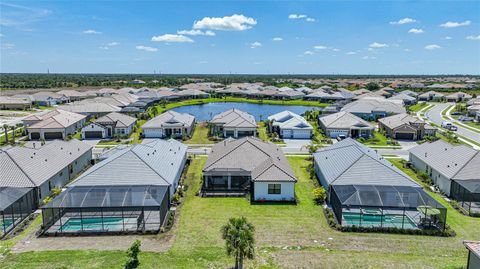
x=263, y=37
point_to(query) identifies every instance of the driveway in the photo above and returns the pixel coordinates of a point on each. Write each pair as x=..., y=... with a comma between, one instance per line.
x=92, y=142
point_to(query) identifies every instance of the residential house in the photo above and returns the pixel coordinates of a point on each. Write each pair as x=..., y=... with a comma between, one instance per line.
x=91, y=109
x=290, y=94
x=473, y=109
x=54, y=124
x=290, y=125
x=431, y=96
x=372, y=109
x=404, y=126
x=345, y=123
x=49, y=98
x=410, y=93
x=193, y=94
x=8, y=102
x=73, y=95
x=473, y=261
x=109, y=125
x=235, y=167
x=169, y=124
x=458, y=97
x=233, y=123
x=405, y=98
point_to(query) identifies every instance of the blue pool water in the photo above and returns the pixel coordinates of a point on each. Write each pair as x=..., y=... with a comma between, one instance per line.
x=205, y=112
x=95, y=223
x=368, y=220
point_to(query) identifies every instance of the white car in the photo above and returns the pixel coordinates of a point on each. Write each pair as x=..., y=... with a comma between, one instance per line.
x=449, y=126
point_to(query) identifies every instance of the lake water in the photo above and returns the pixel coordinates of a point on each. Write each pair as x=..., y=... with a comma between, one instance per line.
x=205, y=112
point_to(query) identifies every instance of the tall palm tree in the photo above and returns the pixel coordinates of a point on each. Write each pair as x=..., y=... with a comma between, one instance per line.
x=238, y=234
x=14, y=129
x=5, y=129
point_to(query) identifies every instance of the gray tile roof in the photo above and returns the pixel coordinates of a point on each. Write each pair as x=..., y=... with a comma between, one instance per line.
x=366, y=105
x=344, y=120
x=289, y=120
x=351, y=163
x=30, y=167
x=459, y=162
x=170, y=118
x=90, y=107
x=403, y=97
x=265, y=161
x=155, y=163
x=57, y=118
x=121, y=120
x=395, y=121
x=234, y=118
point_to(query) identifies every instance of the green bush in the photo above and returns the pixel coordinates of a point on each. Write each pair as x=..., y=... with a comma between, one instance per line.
x=319, y=195
x=425, y=178
x=132, y=255
x=176, y=198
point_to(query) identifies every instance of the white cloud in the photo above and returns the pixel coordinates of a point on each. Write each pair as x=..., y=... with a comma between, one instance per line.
x=196, y=32
x=228, y=23
x=369, y=57
x=310, y=19
x=403, y=21
x=255, y=45
x=448, y=37
x=277, y=39
x=320, y=47
x=432, y=47
x=454, y=24
x=1, y=35
x=145, y=48
x=8, y=46
x=415, y=31
x=376, y=45
x=472, y=37
x=308, y=52
x=297, y=16
x=111, y=44
x=91, y=32
x=407, y=50
x=335, y=49
x=351, y=53
x=172, y=38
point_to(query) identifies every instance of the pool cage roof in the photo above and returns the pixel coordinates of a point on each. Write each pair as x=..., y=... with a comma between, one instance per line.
x=109, y=196
x=472, y=186
x=384, y=196
x=9, y=195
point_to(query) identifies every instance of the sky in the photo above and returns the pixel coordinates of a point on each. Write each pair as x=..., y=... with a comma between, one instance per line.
x=241, y=37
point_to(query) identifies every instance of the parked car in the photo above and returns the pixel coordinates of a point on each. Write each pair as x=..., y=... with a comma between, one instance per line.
x=341, y=137
x=464, y=118
x=449, y=126
x=456, y=113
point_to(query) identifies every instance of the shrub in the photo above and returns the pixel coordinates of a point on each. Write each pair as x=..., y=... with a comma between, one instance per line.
x=176, y=198
x=425, y=178
x=132, y=255
x=319, y=195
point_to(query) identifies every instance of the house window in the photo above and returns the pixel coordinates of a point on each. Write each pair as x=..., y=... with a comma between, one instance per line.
x=274, y=188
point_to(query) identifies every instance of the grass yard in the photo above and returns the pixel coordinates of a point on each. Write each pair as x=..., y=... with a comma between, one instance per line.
x=417, y=107
x=199, y=135
x=288, y=236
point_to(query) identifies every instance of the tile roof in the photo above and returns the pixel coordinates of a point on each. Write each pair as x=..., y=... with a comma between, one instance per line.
x=121, y=120
x=234, y=118
x=265, y=161
x=398, y=120
x=473, y=246
x=289, y=120
x=30, y=167
x=170, y=118
x=155, y=163
x=90, y=107
x=351, y=163
x=366, y=105
x=344, y=120
x=57, y=118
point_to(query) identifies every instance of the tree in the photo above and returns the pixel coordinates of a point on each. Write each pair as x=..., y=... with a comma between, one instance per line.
x=238, y=234
x=319, y=195
x=154, y=111
x=14, y=129
x=312, y=148
x=5, y=129
x=372, y=86
x=132, y=255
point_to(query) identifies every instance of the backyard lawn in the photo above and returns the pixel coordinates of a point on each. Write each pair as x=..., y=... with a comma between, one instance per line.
x=287, y=236
x=199, y=135
x=417, y=107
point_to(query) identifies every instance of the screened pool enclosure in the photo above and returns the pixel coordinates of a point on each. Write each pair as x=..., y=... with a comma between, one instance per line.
x=467, y=194
x=107, y=209
x=15, y=205
x=386, y=207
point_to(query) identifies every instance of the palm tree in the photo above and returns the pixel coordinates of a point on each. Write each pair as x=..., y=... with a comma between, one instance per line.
x=20, y=125
x=13, y=127
x=5, y=129
x=238, y=234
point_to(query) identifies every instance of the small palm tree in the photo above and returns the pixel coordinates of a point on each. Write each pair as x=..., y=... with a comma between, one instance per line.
x=238, y=234
x=5, y=129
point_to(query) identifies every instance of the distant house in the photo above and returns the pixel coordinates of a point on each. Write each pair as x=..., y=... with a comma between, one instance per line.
x=49, y=98
x=372, y=109
x=454, y=169
x=473, y=247
x=360, y=91
x=473, y=109
x=290, y=94
x=404, y=126
x=345, y=123
x=7, y=102
x=363, y=189
x=431, y=96
x=410, y=93
x=458, y=97
x=109, y=125
x=73, y=95
x=169, y=124
x=235, y=167
x=329, y=95
x=290, y=125
x=193, y=94
x=234, y=123
x=55, y=124
x=91, y=109
x=405, y=98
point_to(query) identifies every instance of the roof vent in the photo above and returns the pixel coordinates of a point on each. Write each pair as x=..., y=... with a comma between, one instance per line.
x=425, y=154
x=45, y=159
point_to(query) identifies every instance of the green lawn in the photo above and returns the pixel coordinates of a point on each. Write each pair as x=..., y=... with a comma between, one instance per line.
x=291, y=236
x=379, y=140
x=199, y=135
x=18, y=133
x=417, y=107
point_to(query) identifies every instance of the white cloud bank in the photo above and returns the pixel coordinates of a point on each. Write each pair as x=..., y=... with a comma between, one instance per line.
x=145, y=48
x=277, y=39
x=297, y=16
x=170, y=38
x=403, y=21
x=473, y=37
x=432, y=47
x=454, y=24
x=235, y=22
x=255, y=45
x=376, y=45
x=416, y=31
x=196, y=33
x=91, y=32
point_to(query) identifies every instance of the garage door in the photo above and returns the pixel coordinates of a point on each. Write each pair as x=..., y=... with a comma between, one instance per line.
x=301, y=134
x=153, y=133
x=404, y=136
x=53, y=135
x=35, y=135
x=93, y=134
x=335, y=133
x=286, y=133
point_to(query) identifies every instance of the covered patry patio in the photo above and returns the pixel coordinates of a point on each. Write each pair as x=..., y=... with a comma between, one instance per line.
x=106, y=209
x=226, y=181
x=467, y=194
x=15, y=205
x=399, y=207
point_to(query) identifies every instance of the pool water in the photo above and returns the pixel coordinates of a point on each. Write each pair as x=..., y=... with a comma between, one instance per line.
x=368, y=220
x=95, y=223
x=6, y=223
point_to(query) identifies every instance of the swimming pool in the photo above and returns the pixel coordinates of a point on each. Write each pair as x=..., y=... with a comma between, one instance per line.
x=5, y=224
x=368, y=220
x=96, y=224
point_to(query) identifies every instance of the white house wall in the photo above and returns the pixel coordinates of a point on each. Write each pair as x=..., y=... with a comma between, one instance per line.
x=442, y=181
x=287, y=191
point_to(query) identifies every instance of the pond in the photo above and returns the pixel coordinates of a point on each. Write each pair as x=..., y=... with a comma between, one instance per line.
x=205, y=112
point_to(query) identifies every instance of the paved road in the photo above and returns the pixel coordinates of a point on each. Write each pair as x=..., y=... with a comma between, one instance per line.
x=435, y=116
